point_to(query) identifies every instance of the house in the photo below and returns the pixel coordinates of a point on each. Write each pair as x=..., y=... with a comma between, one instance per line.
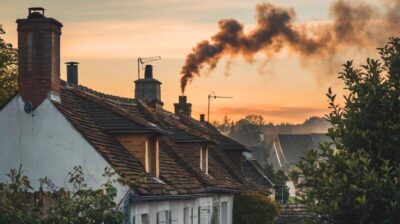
x=287, y=149
x=192, y=171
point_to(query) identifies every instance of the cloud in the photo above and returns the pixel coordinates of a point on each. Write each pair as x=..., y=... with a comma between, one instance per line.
x=268, y=111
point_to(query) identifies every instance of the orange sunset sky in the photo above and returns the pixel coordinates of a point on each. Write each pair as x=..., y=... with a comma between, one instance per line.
x=106, y=37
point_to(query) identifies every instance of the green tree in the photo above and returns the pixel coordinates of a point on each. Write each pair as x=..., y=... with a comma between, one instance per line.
x=355, y=179
x=279, y=179
x=8, y=70
x=80, y=205
x=248, y=130
x=254, y=208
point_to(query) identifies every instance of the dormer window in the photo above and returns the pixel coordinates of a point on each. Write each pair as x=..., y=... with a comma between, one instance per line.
x=204, y=159
x=144, y=148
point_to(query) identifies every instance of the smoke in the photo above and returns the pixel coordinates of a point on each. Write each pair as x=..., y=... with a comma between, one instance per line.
x=353, y=25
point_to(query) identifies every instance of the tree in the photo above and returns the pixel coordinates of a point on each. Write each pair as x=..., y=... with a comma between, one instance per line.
x=255, y=119
x=8, y=70
x=279, y=178
x=254, y=208
x=81, y=205
x=248, y=130
x=355, y=179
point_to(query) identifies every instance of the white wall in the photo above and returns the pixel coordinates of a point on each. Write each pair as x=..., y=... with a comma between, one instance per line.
x=177, y=208
x=46, y=145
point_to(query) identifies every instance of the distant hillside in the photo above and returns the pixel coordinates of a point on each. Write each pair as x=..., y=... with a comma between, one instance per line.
x=311, y=125
x=249, y=129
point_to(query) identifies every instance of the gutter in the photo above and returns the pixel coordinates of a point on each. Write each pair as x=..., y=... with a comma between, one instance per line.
x=221, y=190
x=138, y=198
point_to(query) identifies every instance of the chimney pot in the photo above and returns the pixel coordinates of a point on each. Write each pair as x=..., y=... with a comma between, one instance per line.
x=36, y=12
x=72, y=72
x=182, y=99
x=148, y=72
x=202, y=118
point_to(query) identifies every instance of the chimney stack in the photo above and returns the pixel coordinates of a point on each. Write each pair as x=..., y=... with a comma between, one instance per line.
x=149, y=89
x=183, y=108
x=72, y=72
x=39, y=57
x=202, y=118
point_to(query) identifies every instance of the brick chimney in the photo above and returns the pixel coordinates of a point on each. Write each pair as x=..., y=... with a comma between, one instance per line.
x=183, y=108
x=39, y=57
x=149, y=89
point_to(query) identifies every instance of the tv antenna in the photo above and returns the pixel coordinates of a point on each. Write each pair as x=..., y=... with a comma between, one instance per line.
x=142, y=61
x=213, y=96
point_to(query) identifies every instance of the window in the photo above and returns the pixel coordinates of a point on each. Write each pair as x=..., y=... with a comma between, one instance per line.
x=141, y=219
x=204, y=215
x=204, y=159
x=164, y=217
x=187, y=216
x=224, y=212
x=145, y=219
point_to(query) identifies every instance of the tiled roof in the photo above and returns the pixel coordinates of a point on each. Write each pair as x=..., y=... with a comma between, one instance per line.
x=223, y=143
x=98, y=117
x=251, y=174
x=294, y=146
x=74, y=109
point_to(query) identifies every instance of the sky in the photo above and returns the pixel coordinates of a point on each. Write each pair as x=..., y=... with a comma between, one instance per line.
x=106, y=38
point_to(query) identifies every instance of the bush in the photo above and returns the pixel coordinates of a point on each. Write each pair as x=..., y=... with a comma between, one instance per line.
x=20, y=205
x=254, y=208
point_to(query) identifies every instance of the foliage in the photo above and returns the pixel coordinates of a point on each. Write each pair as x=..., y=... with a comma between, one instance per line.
x=279, y=178
x=81, y=205
x=8, y=70
x=248, y=130
x=254, y=208
x=356, y=178
x=294, y=173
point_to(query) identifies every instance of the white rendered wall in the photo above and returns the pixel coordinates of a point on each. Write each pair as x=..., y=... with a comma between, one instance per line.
x=177, y=208
x=47, y=145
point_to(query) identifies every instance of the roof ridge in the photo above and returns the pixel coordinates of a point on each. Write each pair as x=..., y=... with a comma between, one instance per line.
x=172, y=122
x=98, y=93
x=118, y=110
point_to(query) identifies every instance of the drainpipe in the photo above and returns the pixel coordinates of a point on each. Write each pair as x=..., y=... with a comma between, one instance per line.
x=127, y=210
x=126, y=207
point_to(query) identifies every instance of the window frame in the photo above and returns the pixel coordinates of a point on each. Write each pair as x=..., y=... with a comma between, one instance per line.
x=204, y=159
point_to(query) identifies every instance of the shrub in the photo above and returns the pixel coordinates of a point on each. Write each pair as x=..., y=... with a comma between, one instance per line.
x=254, y=208
x=20, y=205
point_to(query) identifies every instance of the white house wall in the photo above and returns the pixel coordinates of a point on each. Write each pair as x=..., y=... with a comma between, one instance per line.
x=47, y=145
x=176, y=208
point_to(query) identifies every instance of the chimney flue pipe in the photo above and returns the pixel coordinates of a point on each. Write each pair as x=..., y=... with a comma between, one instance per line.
x=72, y=72
x=202, y=118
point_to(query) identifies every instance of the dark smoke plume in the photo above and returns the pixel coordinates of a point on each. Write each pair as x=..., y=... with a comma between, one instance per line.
x=352, y=25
